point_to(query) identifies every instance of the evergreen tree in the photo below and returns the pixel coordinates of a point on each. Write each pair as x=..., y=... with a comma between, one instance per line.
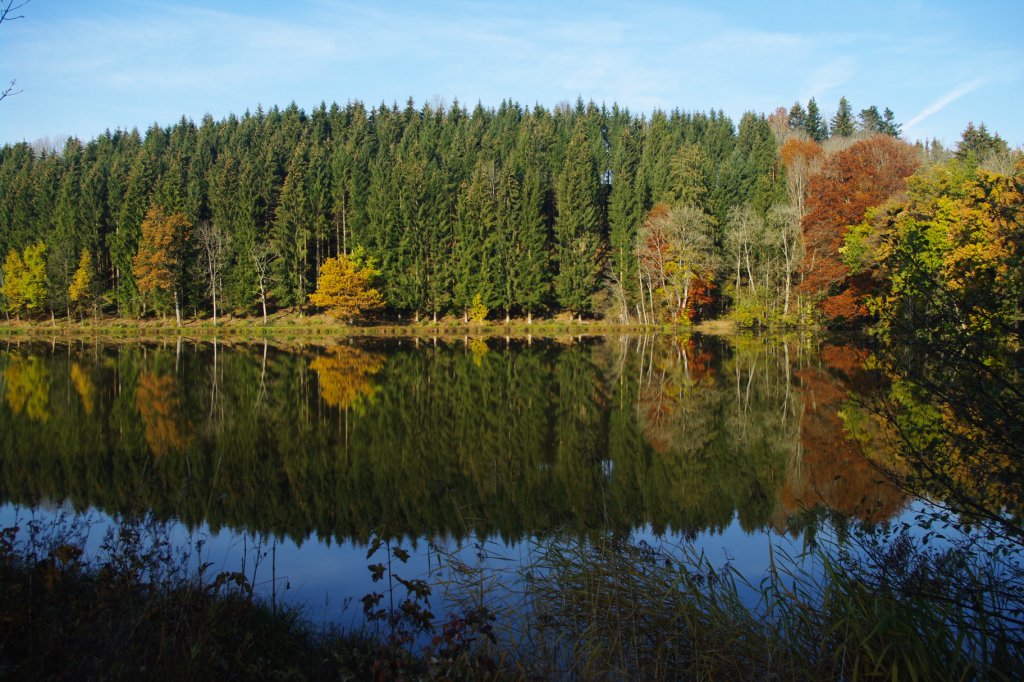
x=67, y=239
x=870, y=121
x=576, y=231
x=976, y=143
x=797, y=118
x=477, y=268
x=625, y=213
x=889, y=124
x=842, y=123
x=815, y=126
x=291, y=232
x=123, y=241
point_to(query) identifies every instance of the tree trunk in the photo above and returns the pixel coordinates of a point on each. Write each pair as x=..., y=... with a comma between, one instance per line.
x=177, y=309
x=263, y=301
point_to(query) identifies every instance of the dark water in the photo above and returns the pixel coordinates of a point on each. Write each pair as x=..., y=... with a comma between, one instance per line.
x=290, y=457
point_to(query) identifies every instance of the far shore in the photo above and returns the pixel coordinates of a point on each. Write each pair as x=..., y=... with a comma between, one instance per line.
x=292, y=323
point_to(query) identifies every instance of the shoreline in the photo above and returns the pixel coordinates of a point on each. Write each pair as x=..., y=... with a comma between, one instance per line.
x=324, y=325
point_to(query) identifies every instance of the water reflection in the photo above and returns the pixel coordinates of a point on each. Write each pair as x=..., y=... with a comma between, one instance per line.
x=499, y=437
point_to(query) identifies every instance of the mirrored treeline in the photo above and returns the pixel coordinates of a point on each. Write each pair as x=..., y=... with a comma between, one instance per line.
x=506, y=437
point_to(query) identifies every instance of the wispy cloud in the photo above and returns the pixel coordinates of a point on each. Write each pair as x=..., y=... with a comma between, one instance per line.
x=944, y=101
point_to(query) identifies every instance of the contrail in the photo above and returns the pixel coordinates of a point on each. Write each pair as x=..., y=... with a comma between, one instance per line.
x=944, y=101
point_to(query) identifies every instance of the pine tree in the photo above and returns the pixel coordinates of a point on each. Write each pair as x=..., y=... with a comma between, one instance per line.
x=815, y=126
x=843, y=123
x=797, y=118
x=625, y=213
x=66, y=240
x=577, y=239
x=692, y=170
x=291, y=232
x=870, y=121
x=889, y=124
x=123, y=241
x=476, y=240
x=528, y=249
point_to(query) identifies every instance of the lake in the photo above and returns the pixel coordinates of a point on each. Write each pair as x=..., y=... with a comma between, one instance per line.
x=286, y=459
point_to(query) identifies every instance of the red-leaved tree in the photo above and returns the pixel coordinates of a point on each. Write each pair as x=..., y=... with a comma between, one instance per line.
x=850, y=182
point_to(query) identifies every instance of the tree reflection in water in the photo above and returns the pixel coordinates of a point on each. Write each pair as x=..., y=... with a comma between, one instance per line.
x=490, y=437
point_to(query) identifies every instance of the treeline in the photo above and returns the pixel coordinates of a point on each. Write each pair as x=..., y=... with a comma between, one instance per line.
x=579, y=209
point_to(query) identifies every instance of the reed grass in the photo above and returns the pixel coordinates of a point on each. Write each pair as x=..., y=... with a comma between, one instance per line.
x=604, y=607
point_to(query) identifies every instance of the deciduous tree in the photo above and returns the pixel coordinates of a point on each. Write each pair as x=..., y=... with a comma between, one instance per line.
x=157, y=265
x=345, y=287
x=863, y=175
x=24, y=281
x=82, y=290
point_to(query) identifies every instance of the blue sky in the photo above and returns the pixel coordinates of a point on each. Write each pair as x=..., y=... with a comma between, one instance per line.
x=88, y=66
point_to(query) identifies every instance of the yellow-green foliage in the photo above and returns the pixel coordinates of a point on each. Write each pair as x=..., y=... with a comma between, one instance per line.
x=345, y=287
x=80, y=289
x=477, y=310
x=24, y=281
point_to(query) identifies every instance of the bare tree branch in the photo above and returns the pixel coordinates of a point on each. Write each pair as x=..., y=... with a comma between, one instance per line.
x=9, y=91
x=7, y=8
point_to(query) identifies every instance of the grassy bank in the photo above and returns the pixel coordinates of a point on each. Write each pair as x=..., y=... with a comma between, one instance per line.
x=603, y=608
x=290, y=322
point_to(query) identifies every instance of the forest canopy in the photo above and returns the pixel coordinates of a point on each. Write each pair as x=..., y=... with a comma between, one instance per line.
x=581, y=209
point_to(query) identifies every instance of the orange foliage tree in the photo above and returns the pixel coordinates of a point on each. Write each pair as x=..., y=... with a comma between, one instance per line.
x=157, y=264
x=849, y=183
x=156, y=399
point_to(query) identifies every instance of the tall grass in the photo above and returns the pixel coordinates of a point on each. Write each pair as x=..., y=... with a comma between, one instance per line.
x=605, y=607
x=611, y=608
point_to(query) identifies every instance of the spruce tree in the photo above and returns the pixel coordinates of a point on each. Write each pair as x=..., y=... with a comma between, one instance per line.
x=625, y=213
x=815, y=125
x=476, y=240
x=797, y=117
x=870, y=121
x=291, y=232
x=577, y=238
x=842, y=123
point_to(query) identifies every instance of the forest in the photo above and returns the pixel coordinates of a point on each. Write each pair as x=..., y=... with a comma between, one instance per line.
x=420, y=213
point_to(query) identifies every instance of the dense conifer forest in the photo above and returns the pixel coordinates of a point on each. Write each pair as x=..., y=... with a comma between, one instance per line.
x=583, y=209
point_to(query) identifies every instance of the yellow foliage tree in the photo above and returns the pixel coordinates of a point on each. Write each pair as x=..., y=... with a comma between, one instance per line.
x=81, y=288
x=28, y=387
x=345, y=375
x=83, y=386
x=24, y=281
x=344, y=287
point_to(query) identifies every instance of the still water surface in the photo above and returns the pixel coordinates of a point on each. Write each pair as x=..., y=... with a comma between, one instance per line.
x=285, y=459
